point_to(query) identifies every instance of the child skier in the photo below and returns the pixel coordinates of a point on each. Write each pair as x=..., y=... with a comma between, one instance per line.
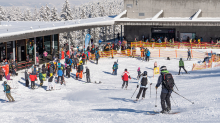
x=181, y=65
x=33, y=78
x=7, y=89
x=60, y=75
x=68, y=70
x=143, y=81
x=139, y=72
x=115, y=68
x=50, y=83
x=125, y=77
x=41, y=77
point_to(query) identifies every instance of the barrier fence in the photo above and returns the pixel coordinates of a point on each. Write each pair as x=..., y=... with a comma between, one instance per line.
x=213, y=62
x=176, y=45
x=156, y=53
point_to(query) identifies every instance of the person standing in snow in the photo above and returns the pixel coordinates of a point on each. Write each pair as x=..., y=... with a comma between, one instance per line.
x=148, y=55
x=181, y=65
x=83, y=58
x=165, y=93
x=143, y=81
x=50, y=83
x=45, y=55
x=7, y=89
x=139, y=72
x=125, y=76
x=115, y=68
x=155, y=64
x=33, y=78
x=41, y=78
x=60, y=75
x=189, y=54
x=97, y=57
x=68, y=70
x=87, y=75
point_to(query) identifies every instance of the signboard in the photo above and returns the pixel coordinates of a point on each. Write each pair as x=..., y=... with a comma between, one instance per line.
x=88, y=36
x=184, y=36
x=161, y=30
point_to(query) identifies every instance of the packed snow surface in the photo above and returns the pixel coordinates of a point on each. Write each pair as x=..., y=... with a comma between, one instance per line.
x=80, y=102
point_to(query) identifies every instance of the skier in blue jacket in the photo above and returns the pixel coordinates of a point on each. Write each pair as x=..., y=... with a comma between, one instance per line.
x=147, y=55
x=60, y=75
x=8, y=92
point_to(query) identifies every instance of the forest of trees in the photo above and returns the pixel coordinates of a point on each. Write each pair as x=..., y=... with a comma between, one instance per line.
x=67, y=13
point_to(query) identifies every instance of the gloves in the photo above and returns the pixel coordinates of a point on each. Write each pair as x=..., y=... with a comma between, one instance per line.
x=137, y=86
x=156, y=87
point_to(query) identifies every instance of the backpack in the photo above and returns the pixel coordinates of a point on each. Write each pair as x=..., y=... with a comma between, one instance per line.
x=144, y=81
x=50, y=79
x=8, y=88
x=168, y=81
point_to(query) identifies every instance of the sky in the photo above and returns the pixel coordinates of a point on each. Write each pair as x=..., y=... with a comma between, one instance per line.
x=38, y=3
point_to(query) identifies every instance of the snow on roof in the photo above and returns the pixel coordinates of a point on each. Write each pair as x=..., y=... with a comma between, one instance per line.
x=13, y=28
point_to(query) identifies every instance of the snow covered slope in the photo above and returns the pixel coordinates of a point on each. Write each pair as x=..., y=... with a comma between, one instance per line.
x=78, y=102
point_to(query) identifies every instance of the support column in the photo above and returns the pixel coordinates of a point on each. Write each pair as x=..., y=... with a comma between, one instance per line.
x=35, y=61
x=14, y=51
x=121, y=34
x=53, y=41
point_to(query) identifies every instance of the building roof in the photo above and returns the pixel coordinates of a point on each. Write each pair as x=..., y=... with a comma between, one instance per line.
x=17, y=30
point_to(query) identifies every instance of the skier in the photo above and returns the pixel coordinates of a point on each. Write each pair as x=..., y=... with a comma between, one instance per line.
x=33, y=78
x=148, y=55
x=68, y=70
x=143, y=81
x=83, y=58
x=115, y=68
x=50, y=83
x=189, y=54
x=7, y=89
x=125, y=76
x=41, y=78
x=97, y=57
x=60, y=75
x=87, y=75
x=139, y=72
x=26, y=78
x=165, y=92
x=181, y=65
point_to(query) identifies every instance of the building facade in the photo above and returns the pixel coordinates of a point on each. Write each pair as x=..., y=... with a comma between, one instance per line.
x=171, y=18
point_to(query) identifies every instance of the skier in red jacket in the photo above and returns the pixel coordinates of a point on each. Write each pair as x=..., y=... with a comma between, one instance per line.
x=33, y=78
x=125, y=77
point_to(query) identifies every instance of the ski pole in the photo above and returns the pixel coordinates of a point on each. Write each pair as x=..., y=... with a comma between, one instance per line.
x=173, y=99
x=156, y=99
x=150, y=90
x=176, y=87
x=183, y=97
x=133, y=93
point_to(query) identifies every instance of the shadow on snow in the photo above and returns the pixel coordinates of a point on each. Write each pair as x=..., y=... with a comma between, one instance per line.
x=126, y=110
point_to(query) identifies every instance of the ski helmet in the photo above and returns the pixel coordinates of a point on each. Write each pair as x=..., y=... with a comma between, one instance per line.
x=162, y=68
x=126, y=70
x=145, y=73
x=5, y=82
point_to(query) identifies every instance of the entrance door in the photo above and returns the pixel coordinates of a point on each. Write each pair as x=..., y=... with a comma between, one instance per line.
x=162, y=33
x=23, y=56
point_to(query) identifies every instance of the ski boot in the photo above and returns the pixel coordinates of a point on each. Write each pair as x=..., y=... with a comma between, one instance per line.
x=163, y=111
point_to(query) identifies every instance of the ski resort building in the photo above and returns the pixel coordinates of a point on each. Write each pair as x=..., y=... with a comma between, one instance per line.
x=171, y=18
x=140, y=18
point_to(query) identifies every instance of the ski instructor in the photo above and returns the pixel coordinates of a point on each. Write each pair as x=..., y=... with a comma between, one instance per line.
x=164, y=79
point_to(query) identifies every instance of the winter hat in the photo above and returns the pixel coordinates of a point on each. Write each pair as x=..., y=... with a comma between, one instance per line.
x=126, y=70
x=139, y=68
x=145, y=73
x=163, y=68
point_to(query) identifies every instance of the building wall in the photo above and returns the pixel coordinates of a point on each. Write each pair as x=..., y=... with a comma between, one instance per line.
x=172, y=8
x=132, y=32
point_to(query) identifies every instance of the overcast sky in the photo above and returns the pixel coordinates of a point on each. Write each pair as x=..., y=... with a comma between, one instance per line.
x=38, y=3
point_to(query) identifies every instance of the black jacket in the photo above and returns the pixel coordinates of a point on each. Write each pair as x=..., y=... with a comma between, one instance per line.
x=87, y=72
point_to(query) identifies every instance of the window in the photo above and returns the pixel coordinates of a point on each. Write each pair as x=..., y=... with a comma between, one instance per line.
x=129, y=5
x=141, y=14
